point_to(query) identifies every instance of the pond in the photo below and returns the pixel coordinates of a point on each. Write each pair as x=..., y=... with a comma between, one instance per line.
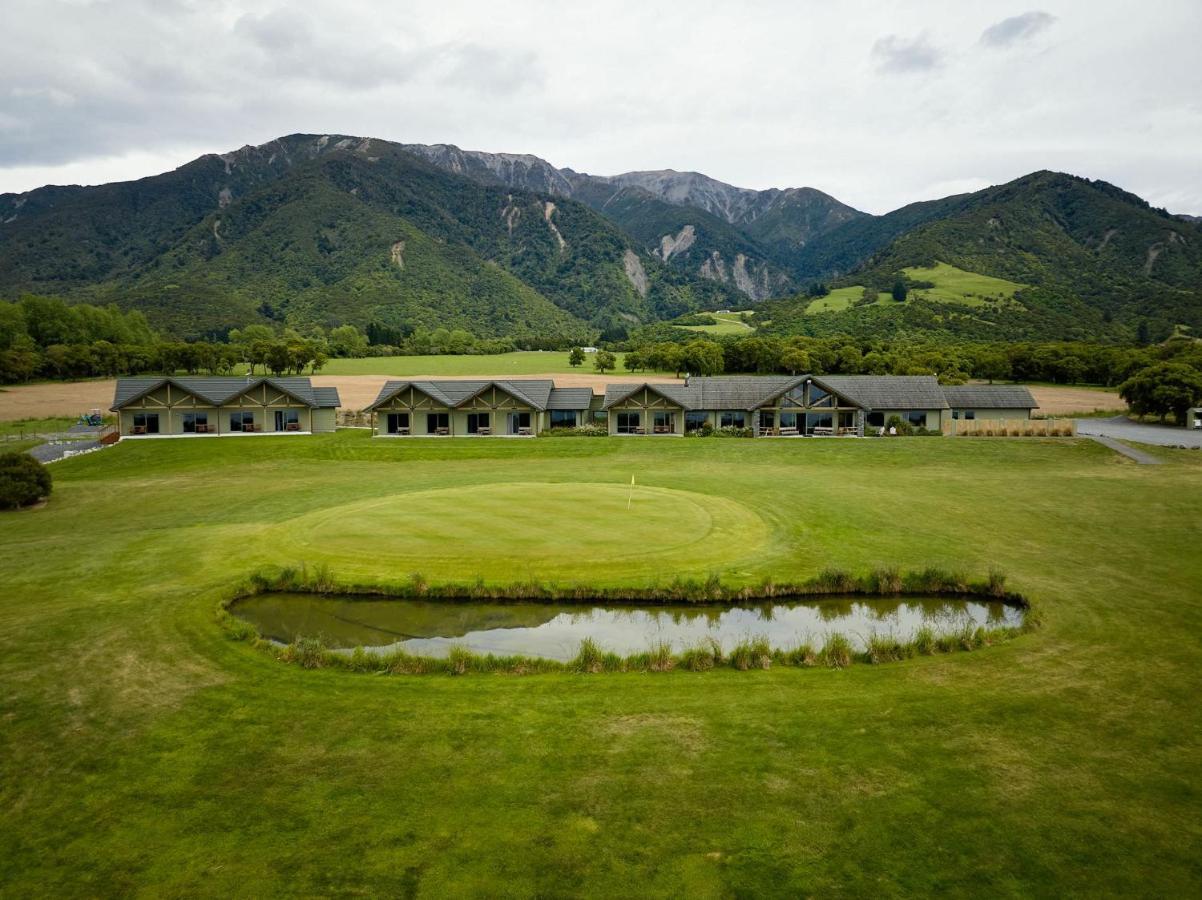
x=555, y=630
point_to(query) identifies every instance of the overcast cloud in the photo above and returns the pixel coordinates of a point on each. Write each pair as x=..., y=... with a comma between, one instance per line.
x=877, y=103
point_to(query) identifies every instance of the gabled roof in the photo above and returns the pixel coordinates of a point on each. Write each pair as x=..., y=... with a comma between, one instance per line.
x=684, y=396
x=989, y=396
x=570, y=398
x=750, y=392
x=219, y=390
x=535, y=392
x=889, y=391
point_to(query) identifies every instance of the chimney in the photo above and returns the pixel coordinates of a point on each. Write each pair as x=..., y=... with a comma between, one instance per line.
x=686, y=379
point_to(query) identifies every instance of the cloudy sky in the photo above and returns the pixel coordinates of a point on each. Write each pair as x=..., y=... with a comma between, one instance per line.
x=878, y=103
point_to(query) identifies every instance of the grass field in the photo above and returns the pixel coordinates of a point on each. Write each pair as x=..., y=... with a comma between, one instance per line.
x=952, y=285
x=500, y=365
x=728, y=323
x=143, y=752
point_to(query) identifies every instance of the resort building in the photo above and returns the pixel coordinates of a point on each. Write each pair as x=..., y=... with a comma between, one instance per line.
x=517, y=408
x=826, y=406
x=171, y=407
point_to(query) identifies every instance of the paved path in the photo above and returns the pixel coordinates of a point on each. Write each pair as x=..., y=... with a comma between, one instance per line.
x=49, y=453
x=1144, y=459
x=1125, y=429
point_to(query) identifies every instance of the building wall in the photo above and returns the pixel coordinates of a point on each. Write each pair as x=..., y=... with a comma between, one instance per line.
x=995, y=414
x=171, y=404
x=645, y=416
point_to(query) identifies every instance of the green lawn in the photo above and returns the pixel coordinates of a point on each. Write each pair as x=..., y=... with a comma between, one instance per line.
x=49, y=425
x=728, y=323
x=952, y=285
x=522, y=362
x=144, y=752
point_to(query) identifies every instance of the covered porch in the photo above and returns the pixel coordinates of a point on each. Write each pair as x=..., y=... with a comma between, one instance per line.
x=809, y=409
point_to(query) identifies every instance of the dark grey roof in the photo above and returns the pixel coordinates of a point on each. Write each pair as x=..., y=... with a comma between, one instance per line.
x=888, y=391
x=750, y=392
x=570, y=398
x=989, y=396
x=534, y=391
x=327, y=397
x=218, y=390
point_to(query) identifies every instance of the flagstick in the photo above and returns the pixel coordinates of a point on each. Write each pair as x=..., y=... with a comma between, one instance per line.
x=630, y=496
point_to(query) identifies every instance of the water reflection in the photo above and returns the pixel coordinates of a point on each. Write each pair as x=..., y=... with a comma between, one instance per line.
x=555, y=631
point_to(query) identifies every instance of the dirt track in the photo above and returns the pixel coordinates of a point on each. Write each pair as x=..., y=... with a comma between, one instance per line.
x=71, y=398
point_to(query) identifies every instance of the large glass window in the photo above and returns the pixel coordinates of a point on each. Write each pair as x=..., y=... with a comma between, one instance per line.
x=917, y=418
x=767, y=420
x=477, y=423
x=242, y=421
x=562, y=418
x=438, y=423
x=819, y=423
x=146, y=423
x=695, y=420
x=732, y=418
x=519, y=423
x=398, y=423
x=663, y=422
x=287, y=420
x=876, y=419
x=788, y=420
x=195, y=423
x=629, y=423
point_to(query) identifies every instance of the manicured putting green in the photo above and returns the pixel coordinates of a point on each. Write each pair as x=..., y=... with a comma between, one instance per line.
x=549, y=528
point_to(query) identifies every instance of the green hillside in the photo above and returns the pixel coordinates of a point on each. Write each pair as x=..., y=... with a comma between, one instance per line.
x=348, y=231
x=1048, y=256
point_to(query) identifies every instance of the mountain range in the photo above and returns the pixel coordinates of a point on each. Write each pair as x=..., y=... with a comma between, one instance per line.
x=326, y=229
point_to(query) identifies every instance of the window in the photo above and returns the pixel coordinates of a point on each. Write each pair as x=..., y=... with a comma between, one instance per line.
x=562, y=418
x=817, y=395
x=196, y=423
x=287, y=420
x=242, y=421
x=146, y=423
x=732, y=418
x=788, y=420
x=970, y=413
x=477, y=422
x=398, y=423
x=876, y=419
x=438, y=423
x=695, y=420
x=628, y=423
x=519, y=421
x=663, y=422
x=767, y=420
x=917, y=419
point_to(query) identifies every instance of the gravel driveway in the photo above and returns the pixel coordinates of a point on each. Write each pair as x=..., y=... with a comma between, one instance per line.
x=1124, y=429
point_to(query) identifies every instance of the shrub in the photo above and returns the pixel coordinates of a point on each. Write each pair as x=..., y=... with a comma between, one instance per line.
x=589, y=430
x=703, y=657
x=23, y=480
x=590, y=659
x=836, y=652
x=731, y=432
x=755, y=653
x=924, y=641
x=886, y=648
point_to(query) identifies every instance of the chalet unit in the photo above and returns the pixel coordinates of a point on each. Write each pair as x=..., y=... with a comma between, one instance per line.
x=795, y=406
x=195, y=407
x=995, y=402
x=516, y=408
